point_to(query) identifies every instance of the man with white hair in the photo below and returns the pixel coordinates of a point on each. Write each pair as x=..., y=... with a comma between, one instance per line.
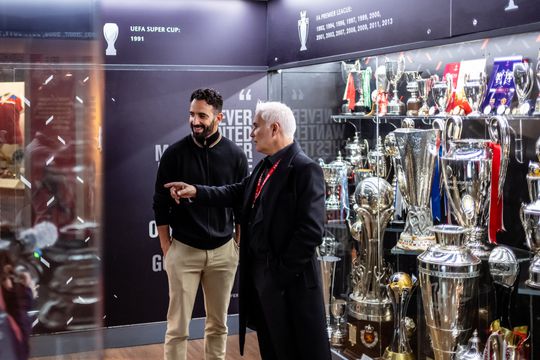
x=282, y=221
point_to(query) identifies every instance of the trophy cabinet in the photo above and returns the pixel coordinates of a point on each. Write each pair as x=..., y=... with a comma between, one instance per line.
x=358, y=103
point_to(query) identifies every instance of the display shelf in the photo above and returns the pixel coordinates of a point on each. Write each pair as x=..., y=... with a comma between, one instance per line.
x=338, y=355
x=525, y=290
x=347, y=117
x=397, y=251
x=336, y=225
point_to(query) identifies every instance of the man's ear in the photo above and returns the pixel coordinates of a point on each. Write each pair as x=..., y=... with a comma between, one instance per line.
x=219, y=117
x=275, y=128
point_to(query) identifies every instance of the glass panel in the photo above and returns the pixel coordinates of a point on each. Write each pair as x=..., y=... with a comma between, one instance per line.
x=50, y=189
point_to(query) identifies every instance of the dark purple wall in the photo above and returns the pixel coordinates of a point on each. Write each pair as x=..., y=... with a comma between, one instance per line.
x=355, y=26
x=145, y=112
x=209, y=32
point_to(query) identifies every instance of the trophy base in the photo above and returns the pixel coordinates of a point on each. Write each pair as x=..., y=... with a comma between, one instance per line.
x=370, y=310
x=411, y=242
x=338, y=339
x=368, y=338
x=396, y=108
x=390, y=355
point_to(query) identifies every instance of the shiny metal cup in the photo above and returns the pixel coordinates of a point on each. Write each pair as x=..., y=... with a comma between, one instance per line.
x=530, y=219
x=466, y=169
x=418, y=150
x=369, y=301
x=524, y=83
x=449, y=277
x=475, y=89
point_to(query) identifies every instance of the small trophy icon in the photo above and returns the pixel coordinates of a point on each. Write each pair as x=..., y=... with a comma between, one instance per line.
x=511, y=6
x=110, y=32
x=303, y=26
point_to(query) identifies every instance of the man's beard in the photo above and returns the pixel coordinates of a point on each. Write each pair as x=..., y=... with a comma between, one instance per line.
x=206, y=131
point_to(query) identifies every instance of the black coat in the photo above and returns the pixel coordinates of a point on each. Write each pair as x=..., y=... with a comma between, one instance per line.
x=291, y=217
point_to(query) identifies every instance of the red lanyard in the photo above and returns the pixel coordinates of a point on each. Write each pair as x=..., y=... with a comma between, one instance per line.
x=261, y=182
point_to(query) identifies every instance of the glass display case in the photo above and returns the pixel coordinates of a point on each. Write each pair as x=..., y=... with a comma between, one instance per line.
x=50, y=189
x=430, y=161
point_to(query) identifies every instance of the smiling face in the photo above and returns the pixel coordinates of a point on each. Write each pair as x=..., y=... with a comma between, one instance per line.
x=203, y=119
x=262, y=134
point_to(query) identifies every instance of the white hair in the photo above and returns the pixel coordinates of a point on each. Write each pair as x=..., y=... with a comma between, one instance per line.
x=276, y=112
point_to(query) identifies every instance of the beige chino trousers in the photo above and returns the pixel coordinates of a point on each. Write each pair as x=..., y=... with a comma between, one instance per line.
x=215, y=269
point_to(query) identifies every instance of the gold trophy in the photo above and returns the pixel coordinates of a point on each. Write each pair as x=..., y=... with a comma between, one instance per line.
x=400, y=288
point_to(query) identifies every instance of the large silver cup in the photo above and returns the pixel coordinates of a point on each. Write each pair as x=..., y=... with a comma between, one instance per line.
x=524, y=82
x=441, y=91
x=374, y=199
x=530, y=218
x=418, y=150
x=332, y=176
x=475, y=89
x=449, y=275
x=394, y=71
x=466, y=168
x=356, y=151
x=327, y=261
x=424, y=89
x=378, y=161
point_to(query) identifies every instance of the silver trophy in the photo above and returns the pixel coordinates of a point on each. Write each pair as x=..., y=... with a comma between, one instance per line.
x=400, y=288
x=362, y=85
x=378, y=160
x=441, y=90
x=338, y=309
x=332, y=176
x=414, y=103
x=524, y=82
x=537, y=104
x=424, y=89
x=327, y=261
x=530, y=218
x=466, y=169
x=449, y=275
x=394, y=71
x=475, y=89
x=369, y=303
x=347, y=70
x=473, y=349
x=110, y=32
x=356, y=151
x=504, y=270
x=303, y=30
x=418, y=151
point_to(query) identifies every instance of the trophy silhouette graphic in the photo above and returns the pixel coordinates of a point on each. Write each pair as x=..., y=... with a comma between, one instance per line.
x=303, y=26
x=511, y=6
x=110, y=32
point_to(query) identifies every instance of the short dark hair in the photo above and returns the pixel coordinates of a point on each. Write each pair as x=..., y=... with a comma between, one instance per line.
x=211, y=96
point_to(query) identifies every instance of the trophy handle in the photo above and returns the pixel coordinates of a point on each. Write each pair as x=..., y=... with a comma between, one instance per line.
x=499, y=133
x=451, y=131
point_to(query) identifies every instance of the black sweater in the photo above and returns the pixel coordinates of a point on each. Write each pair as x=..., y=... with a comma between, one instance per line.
x=218, y=162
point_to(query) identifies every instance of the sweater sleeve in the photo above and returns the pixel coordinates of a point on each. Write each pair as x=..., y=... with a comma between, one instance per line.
x=163, y=201
x=242, y=174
